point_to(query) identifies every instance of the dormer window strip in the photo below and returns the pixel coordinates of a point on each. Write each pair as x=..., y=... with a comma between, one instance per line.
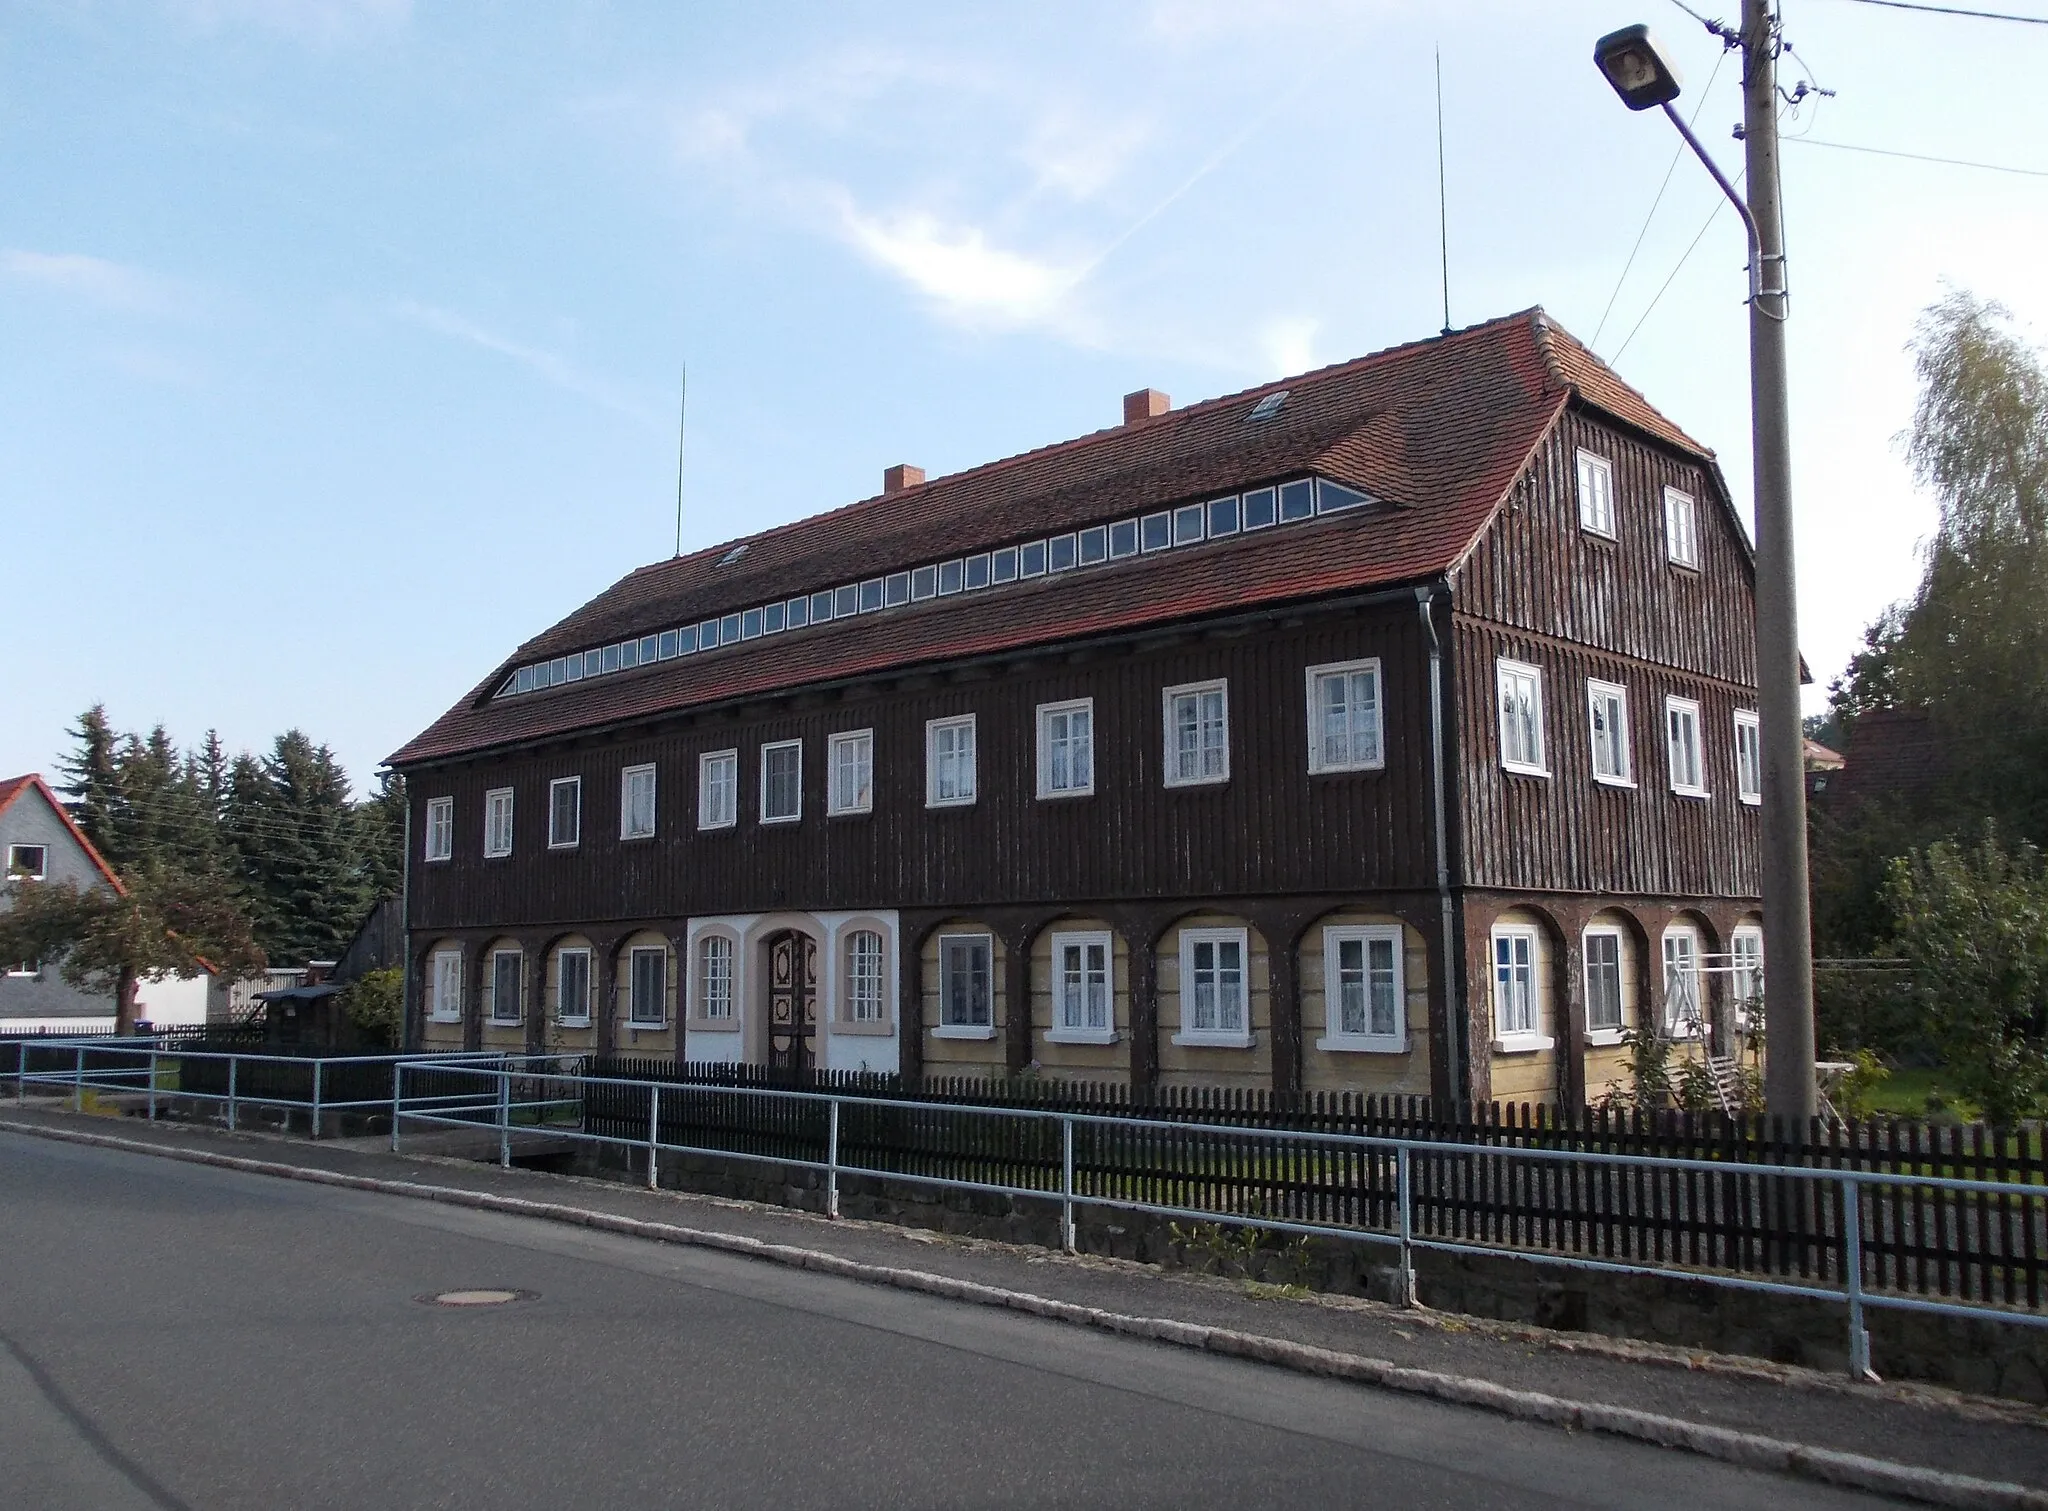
x=1094, y=545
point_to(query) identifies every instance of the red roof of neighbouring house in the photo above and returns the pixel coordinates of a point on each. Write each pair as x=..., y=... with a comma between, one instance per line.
x=13, y=787
x=1436, y=431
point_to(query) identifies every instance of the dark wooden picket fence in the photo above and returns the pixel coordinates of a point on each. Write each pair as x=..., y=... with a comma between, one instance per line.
x=1731, y=1216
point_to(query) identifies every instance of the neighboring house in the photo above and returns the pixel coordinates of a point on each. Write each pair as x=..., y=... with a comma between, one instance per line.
x=1899, y=755
x=1390, y=727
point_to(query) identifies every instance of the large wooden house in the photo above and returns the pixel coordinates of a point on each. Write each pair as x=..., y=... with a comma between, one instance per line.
x=1390, y=727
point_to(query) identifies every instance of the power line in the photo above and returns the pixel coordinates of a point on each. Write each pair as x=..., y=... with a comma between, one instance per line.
x=1719, y=205
x=1921, y=157
x=1951, y=10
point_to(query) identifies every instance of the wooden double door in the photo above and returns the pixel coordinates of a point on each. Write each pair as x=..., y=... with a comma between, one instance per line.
x=792, y=1002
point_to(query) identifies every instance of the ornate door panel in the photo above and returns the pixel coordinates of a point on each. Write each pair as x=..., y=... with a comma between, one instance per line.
x=792, y=1003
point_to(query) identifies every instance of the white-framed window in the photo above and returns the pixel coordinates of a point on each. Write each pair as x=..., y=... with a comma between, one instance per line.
x=1066, y=748
x=25, y=968
x=440, y=837
x=1520, y=688
x=949, y=762
x=850, y=787
x=1746, y=951
x=1607, y=720
x=718, y=789
x=1681, y=528
x=636, y=802
x=1683, y=1009
x=28, y=862
x=782, y=782
x=1197, y=718
x=966, y=986
x=1682, y=744
x=1364, y=1000
x=572, y=986
x=1215, y=988
x=1083, y=992
x=865, y=1002
x=1603, y=984
x=508, y=976
x=444, y=987
x=1344, y=717
x=647, y=986
x=714, y=977
x=1749, y=757
x=565, y=812
x=1596, y=494
x=498, y=822
x=1517, y=991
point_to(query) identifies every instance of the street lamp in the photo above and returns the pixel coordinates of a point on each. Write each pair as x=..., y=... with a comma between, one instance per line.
x=1632, y=63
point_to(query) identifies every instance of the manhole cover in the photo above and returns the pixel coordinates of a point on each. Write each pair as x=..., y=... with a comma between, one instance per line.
x=478, y=1297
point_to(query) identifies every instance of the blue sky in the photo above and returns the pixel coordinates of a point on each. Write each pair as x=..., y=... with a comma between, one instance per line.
x=340, y=342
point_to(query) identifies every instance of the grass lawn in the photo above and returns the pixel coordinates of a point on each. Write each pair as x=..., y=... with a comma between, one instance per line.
x=1905, y=1092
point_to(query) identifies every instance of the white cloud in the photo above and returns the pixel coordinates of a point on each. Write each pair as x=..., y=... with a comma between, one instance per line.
x=958, y=269
x=549, y=366
x=112, y=284
x=1079, y=156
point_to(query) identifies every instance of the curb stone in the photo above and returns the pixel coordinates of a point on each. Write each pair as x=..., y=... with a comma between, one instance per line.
x=1728, y=1445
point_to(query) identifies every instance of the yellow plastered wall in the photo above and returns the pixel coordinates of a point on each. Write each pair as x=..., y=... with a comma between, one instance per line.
x=1353, y=1070
x=1528, y=1075
x=965, y=1057
x=553, y=1033
x=626, y=1039
x=1081, y=1062
x=1201, y=1064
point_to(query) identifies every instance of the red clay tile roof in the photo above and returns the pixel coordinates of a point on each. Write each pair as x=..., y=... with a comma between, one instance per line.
x=14, y=786
x=1438, y=430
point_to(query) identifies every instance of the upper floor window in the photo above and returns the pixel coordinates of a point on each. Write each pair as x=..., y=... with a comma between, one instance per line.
x=714, y=977
x=507, y=976
x=782, y=782
x=1344, y=717
x=1521, y=717
x=565, y=812
x=1596, y=494
x=851, y=788
x=498, y=822
x=27, y=862
x=864, y=1000
x=1517, y=1002
x=1214, y=990
x=1749, y=758
x=1362, y=990
x=440, y=828
x=572, y=986
x=647, y=986
x=636, y=802
x=1066, y=748
x=1082, y=999
x=966, y=985
x=1607, y=705
x=1603, y=980
x=1682, y=737
x=1681, y=528
x=1197, y=734
x=718, y=789
x=444, y=987
x=949, y=762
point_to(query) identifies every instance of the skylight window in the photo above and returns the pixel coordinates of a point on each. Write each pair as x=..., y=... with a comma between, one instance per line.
x=1269, y=406
x=741, y=549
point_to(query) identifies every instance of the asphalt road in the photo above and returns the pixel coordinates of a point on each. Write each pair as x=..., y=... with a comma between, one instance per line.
x=178, y=1336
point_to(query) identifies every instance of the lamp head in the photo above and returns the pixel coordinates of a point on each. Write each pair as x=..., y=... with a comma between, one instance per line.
x=1636, y=67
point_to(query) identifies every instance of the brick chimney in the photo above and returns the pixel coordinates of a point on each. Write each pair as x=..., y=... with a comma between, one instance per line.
x=1145, y=404
x=895, y=479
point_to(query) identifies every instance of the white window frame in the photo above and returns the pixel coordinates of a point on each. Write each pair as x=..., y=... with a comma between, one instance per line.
x=497, y=1019
x=1749, y=757
x=626, y=779
x=714, y=979
x=1742, y=993
x=1319, y=762
x=1615, y=696
x=1062, y=1031
x=26, y=969
x=1504, y=670
x=854, y=978
x=1220, y=1038
x=1690, y=936
x=1171, y=749
x=562, y=1016
x=1596, y=493
x=1529, y=1038
x=633, y=955
x=1606, y=1033
x=499, y=814
x=795, y=815
x=963, y=798
x=1681, y=713
x=947, y=1030
x=555, y=840
x=838, y=801
x=440, y=827
x=727, y=814
x=1365, y=936
x=41, y=872
x=1047, y=713
x=1681, y=529
x=443, y=983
